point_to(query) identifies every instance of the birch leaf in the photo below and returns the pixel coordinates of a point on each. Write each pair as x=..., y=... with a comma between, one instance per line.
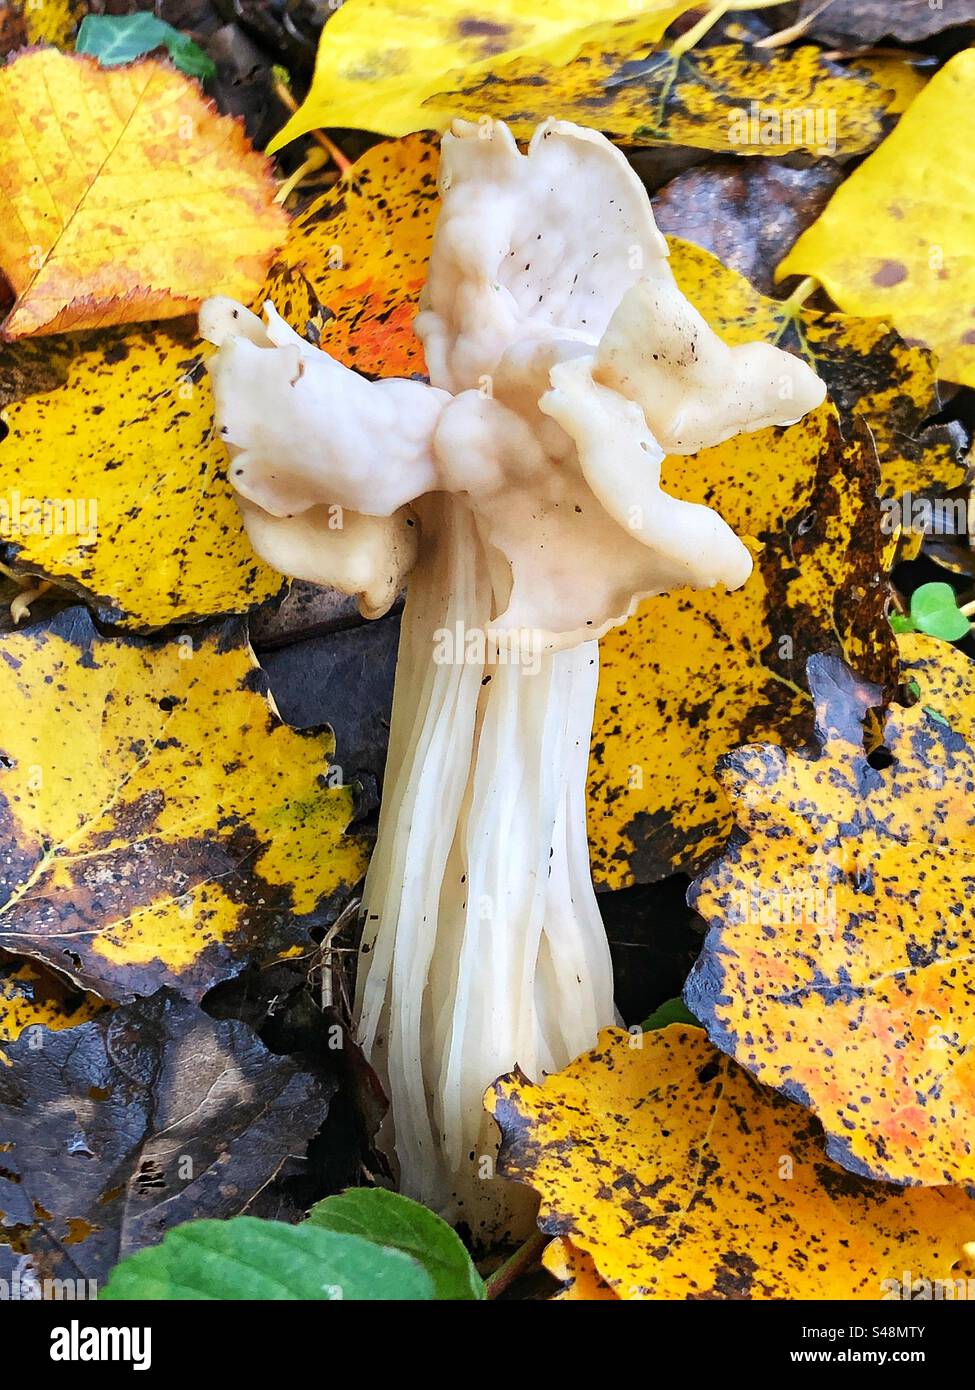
x=125, y=196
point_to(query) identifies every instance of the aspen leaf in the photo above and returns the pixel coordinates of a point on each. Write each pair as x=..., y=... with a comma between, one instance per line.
x=201, y=834
x=720, y=97
x=125, y=196
x=895, y=239
x=691, y=676
x=839, y=965
x=673, y=1175
x=112, y=483
x=350, y=274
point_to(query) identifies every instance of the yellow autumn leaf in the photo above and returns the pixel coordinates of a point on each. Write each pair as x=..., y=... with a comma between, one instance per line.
x=32, y=996
x=162, y=825
x=676, y=1176
x=839, y=967
x=124, y=195
x=720, y=97
x=580, y=1279
x=50, y=21
x=381, y=63
x=693, y=675
x=897, y=237
x=111, y=480
x=350, y=274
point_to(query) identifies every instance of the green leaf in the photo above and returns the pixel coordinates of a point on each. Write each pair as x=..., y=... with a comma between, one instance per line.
x=934, y=609
x=900, y=622
x=670, y=1011
x=391, y=1220
x=246, y=1258
x=115, y=39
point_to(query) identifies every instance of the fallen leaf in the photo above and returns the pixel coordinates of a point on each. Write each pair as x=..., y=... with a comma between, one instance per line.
x=577, y=1272
x=895, y=239
x=746, y=211
x=381, y=63
x=717, y=97
x=125, y=196
x=52, y=21
x=185, y=847
x=839, y=965
x=32, y=996
x=866, y=21
x=666, y=1166
x=350, y=274
x=111, y=480
x=121, y=1128
x=689, y=677
x=92, y=416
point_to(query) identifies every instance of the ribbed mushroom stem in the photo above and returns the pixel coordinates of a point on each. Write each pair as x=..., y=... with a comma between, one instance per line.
x=483, y=947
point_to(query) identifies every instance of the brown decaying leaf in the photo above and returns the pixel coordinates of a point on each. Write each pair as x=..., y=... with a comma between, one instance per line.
x=839, y=965
x=125, y=195
x=152, y=1114
x=866, y=21
x=746, y=212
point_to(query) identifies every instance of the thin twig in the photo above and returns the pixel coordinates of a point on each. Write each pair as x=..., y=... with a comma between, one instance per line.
x=524, y=1259
x=341, y=161
x=794, y=31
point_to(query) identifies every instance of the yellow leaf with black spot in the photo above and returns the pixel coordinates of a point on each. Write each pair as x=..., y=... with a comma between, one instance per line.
x=350, y=275
x=840, y=966
x=692, y=675
x=111, y=482
x=381, y=63
x=724, y=97
x=162, y=825
x=676, y=1176
x=581, y=1280
x=32, y=996
x=51, y=21
x=896, y=238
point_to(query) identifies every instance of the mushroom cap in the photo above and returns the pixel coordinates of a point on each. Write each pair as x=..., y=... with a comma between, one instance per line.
x=541, y=245
x=565, y=364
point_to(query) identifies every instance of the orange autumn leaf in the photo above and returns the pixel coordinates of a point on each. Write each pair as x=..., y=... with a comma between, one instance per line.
x=840, y=966
x=124, y=195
